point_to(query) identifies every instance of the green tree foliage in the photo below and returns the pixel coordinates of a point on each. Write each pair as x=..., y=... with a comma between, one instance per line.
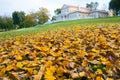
x=30, y=20
x=88, y=6
x=53, y=18
x=6, y=23
x=42, y=15
x=115, y=6
x=18, y=18
x=57, y=11
x=92, y=5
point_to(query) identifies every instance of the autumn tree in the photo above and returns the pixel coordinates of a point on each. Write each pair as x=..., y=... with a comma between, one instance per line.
x=42, y=15
x=30, y=20
x=57, y=11
x=115, y=6
x=18, y=18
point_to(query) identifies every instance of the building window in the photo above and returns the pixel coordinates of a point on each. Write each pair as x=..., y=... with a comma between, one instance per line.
x=65, y=16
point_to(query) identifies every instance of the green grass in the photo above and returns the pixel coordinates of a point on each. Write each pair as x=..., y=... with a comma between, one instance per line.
x=87, y=21
x=58, y=25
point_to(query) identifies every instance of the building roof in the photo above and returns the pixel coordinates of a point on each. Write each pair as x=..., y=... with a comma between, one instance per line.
x=84, y=8
x=70, y=6
x=78, y=7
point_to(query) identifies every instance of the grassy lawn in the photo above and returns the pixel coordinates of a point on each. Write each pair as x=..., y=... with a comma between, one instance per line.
x=58, y=25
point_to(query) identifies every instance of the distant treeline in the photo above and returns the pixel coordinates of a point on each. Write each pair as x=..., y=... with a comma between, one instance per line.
x=21, y=20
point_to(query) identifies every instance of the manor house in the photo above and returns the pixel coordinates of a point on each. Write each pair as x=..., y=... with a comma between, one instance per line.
x=69, y=12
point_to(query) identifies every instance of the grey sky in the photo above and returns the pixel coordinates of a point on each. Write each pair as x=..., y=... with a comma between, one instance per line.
x=8, y=6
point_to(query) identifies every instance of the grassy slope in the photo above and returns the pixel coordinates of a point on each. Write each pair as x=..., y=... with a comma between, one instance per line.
x=59, y=25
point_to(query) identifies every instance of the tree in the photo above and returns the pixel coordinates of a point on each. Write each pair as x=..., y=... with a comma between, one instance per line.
x=42, y=15
x=57, y=11
x=88, y=6
x=18, y=18
x=53, y=18
x=92, y=5
x=6, y=23
x=115, y=6
x=96, y=5
x=9, y=23
x=30, y=20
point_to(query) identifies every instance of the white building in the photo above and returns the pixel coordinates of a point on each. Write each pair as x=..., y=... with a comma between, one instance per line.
x=69, y=12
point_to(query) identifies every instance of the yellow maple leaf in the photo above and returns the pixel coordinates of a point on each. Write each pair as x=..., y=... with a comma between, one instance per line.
x=102, y=39
x=37, y=47
x=99, y=71
x=52, y=68
x=2, y=49
x=17, y=42
x=95, y=51
x=109, y=79
x=49, y=73
x=49, y=77
x=18, y=57
x=84, y=63
x=45, y=48
x=48, y=63
x=81, y=53
x=2, y=72
x=99, y=77
x=19, y=64
x=30, y=70
x=60, y=71
x=10, y=66
x=82, y=74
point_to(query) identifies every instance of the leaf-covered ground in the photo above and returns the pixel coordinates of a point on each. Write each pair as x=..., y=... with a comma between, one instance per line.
x=80, y=53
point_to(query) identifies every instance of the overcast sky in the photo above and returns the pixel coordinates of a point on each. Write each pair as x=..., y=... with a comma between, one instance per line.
x=8, y=6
